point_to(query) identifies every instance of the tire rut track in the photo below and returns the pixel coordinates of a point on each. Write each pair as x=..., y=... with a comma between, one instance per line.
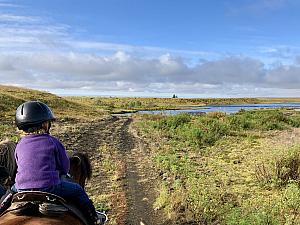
x=137, y=183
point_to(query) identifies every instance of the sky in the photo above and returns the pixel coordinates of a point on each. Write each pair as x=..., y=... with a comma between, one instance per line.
x=152, y=48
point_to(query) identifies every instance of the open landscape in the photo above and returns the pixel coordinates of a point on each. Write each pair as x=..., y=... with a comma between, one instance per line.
x=188, y=110
x=213, y=168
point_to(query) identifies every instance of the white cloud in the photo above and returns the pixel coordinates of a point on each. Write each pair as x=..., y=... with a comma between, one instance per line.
x=284, y=76
x=37, y=54
x=149, y=50
x=18, y=19
x=8, y=5
x=231, y=70
x=123, y=72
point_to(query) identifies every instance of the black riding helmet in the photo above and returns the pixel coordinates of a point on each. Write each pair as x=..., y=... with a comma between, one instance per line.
x=32, y=113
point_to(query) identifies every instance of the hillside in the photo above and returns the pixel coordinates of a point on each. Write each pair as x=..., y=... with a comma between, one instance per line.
x=12, y=97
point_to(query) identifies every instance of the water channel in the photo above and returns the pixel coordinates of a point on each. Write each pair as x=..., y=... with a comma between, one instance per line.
x=222, y=108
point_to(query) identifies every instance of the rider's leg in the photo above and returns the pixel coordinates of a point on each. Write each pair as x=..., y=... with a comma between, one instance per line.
x=74, y=193
x=2, y=191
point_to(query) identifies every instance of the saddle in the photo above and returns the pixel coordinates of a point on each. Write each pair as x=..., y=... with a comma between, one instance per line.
x=35, y=203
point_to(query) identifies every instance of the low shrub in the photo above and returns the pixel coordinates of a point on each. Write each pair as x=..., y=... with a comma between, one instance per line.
x=259, y=120
x=173, y=122
x=240, y=216
x=281, y=168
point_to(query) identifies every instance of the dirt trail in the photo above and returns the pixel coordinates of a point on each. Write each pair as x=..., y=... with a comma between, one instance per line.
x=132, y=199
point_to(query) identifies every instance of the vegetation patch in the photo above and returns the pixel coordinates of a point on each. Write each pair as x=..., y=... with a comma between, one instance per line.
x=221, y=169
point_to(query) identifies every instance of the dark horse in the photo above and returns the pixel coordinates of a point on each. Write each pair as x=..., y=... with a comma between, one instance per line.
x=7, y=163
x=80, y=171
x=80, y=168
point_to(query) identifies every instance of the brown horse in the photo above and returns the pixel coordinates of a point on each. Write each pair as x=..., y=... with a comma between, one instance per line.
x=11, y=219
x=80, y=171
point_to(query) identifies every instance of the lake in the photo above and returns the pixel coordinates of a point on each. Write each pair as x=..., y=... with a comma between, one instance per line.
x=223, y=108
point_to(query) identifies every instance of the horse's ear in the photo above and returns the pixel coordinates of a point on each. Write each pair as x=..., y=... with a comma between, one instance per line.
x=75, y=159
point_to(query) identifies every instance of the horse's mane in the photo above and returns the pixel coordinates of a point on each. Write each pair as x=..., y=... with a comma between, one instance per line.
x=3, y=175
x=7, y=157
x=86, y=166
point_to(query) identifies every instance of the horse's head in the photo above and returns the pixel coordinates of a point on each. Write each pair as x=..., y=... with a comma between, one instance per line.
x=80, y=168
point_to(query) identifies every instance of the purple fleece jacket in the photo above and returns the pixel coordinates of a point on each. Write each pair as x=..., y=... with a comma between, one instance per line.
x=41, y=159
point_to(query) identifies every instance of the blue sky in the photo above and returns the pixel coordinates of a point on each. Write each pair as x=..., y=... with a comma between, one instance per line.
x=192, y=48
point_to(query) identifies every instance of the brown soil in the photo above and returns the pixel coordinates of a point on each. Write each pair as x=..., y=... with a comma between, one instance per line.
x=131, y=188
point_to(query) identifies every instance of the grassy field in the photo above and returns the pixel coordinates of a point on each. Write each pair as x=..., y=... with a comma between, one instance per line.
x=125, y=104
x=213, y=168
x=227, y=169
x=117, y=104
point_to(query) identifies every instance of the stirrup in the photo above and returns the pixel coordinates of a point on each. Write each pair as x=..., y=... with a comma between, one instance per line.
x=102, y=217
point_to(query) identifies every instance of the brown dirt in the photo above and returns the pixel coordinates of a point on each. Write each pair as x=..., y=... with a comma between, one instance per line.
x=130, y=190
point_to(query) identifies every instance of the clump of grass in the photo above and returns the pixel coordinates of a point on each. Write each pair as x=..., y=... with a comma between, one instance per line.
x=287, y=166
x=206, y=201
x=198, y=131
x=196, y=199
x=175, y=165
x=283, y=209
x=255, y=216
x=294, y=120
x=172, y=122
x=281, y=168
x=259, y=120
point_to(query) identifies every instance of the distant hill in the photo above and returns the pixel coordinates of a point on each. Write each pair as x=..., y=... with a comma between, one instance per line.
x=11, y=97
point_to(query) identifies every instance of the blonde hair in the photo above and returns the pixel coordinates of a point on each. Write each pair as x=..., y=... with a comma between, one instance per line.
x=40, y=129
x=7, y=156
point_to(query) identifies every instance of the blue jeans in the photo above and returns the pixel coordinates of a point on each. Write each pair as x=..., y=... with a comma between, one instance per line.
x=71, y=192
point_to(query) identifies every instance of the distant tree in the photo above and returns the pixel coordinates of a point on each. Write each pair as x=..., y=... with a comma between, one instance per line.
x=174, y=96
